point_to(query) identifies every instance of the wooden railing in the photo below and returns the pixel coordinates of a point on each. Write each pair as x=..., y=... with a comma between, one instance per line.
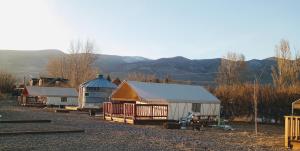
x=117, y=109
x=107, y=109
x=292, y=130
x=113, y=109
x=151, y=111
x=135, y=111
x=129, y=110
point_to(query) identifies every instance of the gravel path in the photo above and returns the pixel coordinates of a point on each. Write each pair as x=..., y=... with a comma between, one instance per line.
x=105, y=135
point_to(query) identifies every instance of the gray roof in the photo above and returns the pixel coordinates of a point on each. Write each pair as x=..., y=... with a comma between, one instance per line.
x=51, y=91
x=99, y=82
x=173, y=93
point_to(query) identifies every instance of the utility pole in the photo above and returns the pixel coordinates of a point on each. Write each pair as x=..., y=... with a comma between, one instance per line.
x=255, y=84
x=255, y=104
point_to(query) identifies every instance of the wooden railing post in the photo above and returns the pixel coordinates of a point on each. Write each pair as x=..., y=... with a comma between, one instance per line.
x=104, y=105
x=134, y=111
x=124, y=111
x=286, y=133
x=152, y=112
x=111, y=110
x=167, y=111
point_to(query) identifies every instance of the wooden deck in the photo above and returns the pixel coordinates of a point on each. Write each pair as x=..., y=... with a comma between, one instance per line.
x=132, y=113
x=292, y=132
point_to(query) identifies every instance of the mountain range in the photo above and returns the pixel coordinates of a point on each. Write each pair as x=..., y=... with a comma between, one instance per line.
x=197, y=71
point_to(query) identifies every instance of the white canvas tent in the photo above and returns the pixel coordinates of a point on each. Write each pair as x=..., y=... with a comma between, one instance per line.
x=51, y=95
x=180, y=99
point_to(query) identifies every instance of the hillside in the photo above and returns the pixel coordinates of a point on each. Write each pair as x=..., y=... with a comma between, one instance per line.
x=199, y=71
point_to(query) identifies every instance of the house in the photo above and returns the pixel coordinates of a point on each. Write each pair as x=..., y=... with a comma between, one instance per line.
x=133, y=101
x=94, y=92
x=48, y=81
x=49, y=96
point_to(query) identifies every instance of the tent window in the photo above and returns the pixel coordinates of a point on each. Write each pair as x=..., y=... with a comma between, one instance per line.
x=196, y=107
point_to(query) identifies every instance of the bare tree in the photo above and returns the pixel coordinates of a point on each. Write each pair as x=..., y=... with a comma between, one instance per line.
x=7, y=82
x=57, y=66
x=288, y=66
x=78, y=66
x=230, y=69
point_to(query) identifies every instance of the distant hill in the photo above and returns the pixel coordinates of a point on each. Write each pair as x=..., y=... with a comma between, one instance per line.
x=202, y=71
x=33, y=63
x=199, y=71
x=26, y=62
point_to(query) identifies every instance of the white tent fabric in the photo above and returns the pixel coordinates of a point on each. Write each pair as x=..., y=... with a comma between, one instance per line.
x=172, y=93
x=51, y=91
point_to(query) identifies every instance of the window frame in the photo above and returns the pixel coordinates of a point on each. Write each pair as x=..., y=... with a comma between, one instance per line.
x=64, y=99
x=196, y=107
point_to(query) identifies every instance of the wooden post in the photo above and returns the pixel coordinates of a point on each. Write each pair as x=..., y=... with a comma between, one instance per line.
x=167, y=112
x=124, y=112
x=291, y=128
x=286, y=131
x=104, y=105
x=134, y=111
x=111, y=110
x=152, y=112
x=296, y=128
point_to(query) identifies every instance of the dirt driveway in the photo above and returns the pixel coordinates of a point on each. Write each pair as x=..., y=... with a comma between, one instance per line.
x=104, y=135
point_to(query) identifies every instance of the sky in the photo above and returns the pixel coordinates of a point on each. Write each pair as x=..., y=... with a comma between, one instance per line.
x=196, y=29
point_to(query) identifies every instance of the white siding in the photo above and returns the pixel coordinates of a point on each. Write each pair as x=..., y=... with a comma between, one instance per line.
x=57, y=101
x=92, y=105
x=179, y=110
x=210, y=109
x=87, y=101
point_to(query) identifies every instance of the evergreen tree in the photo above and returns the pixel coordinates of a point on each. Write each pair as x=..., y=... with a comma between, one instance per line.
x=108, y=78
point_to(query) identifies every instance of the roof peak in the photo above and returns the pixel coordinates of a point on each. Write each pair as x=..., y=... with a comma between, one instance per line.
x=100, y=81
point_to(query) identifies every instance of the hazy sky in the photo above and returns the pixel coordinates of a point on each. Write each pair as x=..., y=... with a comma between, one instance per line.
x=152, y=28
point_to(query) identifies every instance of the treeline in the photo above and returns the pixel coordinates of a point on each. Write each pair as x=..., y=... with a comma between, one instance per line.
x=272, y=103
x=273, y=100
x=137, y=76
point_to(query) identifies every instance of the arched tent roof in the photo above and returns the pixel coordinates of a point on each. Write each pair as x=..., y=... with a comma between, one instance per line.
x=161, y=92
x=99, y=82
x=50, y=91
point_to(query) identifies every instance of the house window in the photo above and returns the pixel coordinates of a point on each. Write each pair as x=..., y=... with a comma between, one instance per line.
x=64, y=99
x=196, y=107
x=86, y=94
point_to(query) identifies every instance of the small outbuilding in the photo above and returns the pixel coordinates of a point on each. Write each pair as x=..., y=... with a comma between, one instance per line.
x=94, y=92
x=161, y=101
x=50, y=96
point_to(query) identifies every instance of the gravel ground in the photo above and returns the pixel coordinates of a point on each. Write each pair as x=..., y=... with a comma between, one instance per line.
x=105, y=135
